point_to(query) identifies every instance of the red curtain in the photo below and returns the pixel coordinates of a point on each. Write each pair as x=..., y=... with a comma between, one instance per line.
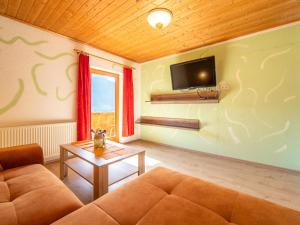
x=128, y=107
x=84, y=99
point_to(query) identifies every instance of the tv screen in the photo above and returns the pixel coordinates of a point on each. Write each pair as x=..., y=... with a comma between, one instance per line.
x=193, y=74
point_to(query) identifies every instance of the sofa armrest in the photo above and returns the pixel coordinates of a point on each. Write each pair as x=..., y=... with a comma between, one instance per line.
x=21, y=155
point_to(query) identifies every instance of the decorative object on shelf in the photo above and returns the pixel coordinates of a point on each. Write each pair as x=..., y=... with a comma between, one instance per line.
x=159, y=18
x=193, y=124
x=197, y=97
x=99, y=138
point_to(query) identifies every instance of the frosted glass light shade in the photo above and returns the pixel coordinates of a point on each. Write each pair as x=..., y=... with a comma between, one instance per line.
x=159, y=18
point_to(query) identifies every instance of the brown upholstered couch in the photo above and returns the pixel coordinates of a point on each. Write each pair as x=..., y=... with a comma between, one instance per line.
x=165, y=197
x=29, y=193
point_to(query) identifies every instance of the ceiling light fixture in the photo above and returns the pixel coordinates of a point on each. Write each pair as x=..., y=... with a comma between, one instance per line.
x=159, y=18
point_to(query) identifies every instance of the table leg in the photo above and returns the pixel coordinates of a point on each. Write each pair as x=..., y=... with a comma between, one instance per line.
x=63, y=167
x=100, y=181
x=141, y=166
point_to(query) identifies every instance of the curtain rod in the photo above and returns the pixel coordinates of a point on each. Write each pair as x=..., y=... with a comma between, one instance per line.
x=86, y=53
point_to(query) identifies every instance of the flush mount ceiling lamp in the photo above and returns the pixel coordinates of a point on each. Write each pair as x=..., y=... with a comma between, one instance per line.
x=159, y=18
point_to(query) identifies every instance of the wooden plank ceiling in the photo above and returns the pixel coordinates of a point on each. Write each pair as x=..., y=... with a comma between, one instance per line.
x=120, y=26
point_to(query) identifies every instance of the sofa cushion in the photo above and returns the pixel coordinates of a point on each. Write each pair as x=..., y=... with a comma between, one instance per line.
x=22, y=170
x=4, y=192
x=249, y=210
x=163, y=178
x=173, y=210
x=130, y=202
x=8, y=214
x=23, y=184
x=89, y=215
x=33, y=195
x=218, y=199
x=45, y=205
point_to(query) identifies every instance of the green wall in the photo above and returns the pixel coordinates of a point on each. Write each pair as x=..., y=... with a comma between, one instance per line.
x=257, y=118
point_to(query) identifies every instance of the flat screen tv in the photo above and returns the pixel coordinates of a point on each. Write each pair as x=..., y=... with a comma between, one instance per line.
x=194, y=74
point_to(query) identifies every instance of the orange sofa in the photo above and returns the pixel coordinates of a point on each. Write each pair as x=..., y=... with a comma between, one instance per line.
x=29, y=193
x=166, y=197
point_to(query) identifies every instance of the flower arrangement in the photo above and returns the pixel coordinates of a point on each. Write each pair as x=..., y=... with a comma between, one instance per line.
x=99, y=138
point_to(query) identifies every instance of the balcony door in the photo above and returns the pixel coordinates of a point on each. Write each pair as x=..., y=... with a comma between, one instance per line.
x=105, y=103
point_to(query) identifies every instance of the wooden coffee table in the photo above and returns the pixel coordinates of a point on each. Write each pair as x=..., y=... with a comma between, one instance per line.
x=100, y=167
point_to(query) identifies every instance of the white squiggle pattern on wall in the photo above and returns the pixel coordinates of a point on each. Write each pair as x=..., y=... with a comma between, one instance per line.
x=237, y=75
x=237, y=123
x=286, y=127
x=281, y=149
x=253, y=110
x=262, y=65
x=289, y=99
x=255, y=95
x=244, y=58
x=266, y=99
x=233, y=135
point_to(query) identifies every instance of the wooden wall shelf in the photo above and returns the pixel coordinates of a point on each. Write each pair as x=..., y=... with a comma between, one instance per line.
x=201, y=97
x=199, y=101
x=193, y=124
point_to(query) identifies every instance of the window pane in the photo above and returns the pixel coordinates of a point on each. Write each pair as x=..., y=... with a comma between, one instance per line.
x=103, y=104
x=103, y=93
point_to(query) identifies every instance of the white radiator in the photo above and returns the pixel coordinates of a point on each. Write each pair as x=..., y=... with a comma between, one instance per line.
x=49, y=136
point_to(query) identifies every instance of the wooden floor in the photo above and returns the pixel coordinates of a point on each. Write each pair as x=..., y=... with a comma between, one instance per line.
x=268, y=183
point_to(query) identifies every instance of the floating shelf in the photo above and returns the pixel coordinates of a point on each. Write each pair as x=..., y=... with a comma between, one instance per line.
x=201, y=97
x=203, y=101
x=193, y=124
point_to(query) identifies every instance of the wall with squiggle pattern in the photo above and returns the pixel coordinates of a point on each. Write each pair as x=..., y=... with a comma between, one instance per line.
x=38, y=64
x=38, y=75
x=257, y=118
